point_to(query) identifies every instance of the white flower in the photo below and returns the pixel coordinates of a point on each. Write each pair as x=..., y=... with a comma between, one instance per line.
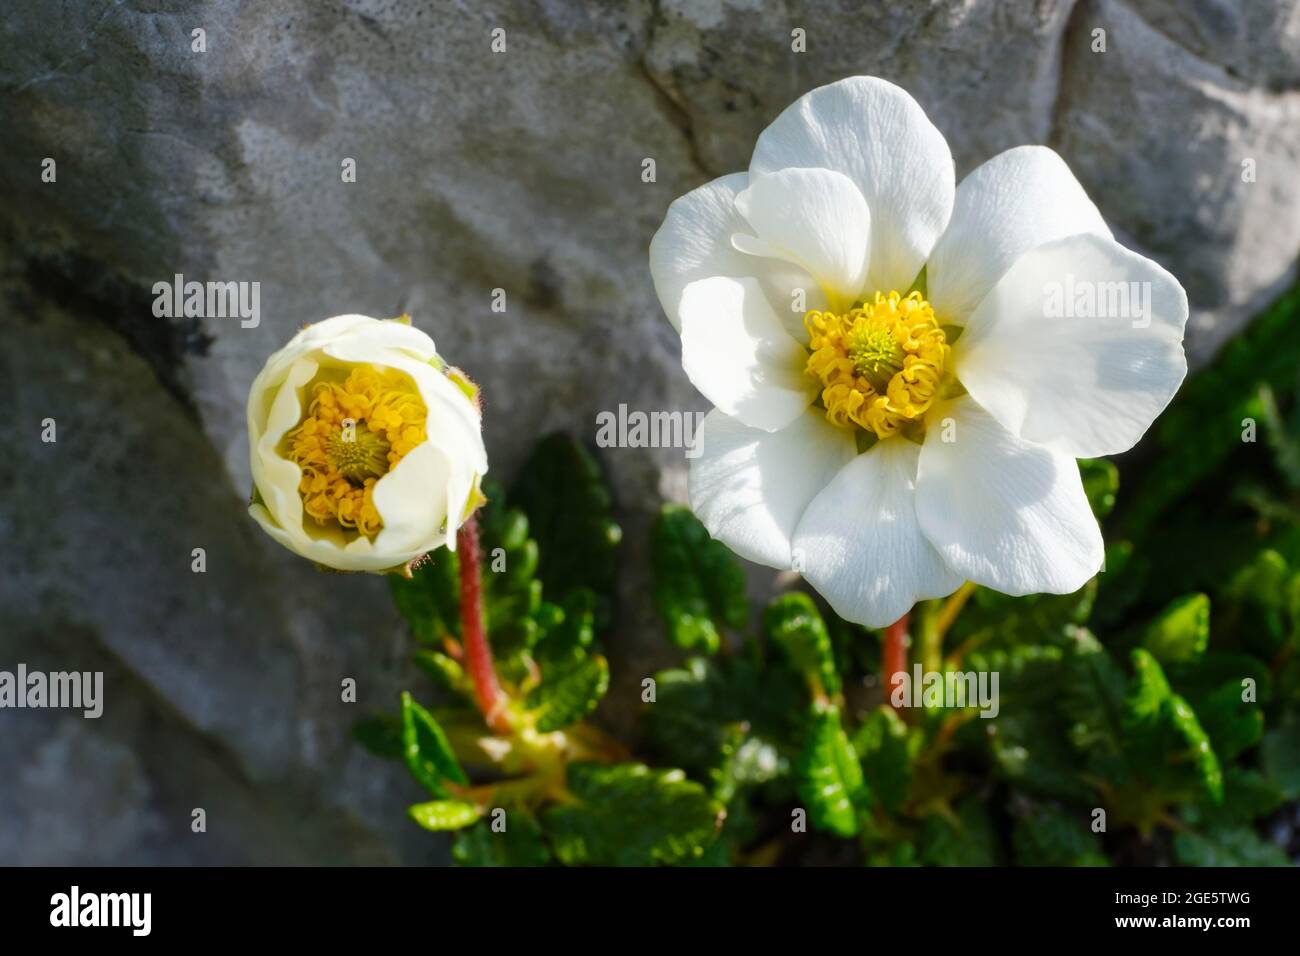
x=366, y=447
x=890, y=445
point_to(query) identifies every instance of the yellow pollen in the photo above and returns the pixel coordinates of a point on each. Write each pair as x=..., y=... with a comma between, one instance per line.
x=880, y=365
x=355, y=431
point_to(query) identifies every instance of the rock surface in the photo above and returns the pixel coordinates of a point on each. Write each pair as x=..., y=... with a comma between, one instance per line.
x=475, y=171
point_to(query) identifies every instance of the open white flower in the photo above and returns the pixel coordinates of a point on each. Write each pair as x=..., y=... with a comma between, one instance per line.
x=904, y=370
x=367, y=449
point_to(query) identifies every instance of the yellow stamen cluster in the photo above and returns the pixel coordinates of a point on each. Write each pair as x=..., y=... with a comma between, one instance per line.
x=880, y=365
x=355, y=431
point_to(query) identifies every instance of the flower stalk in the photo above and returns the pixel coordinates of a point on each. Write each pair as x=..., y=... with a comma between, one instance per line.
x=490, y=697
x=894, y=659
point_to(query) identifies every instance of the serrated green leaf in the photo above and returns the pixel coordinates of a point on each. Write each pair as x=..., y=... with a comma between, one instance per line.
x=699, y=587
x=1234, y=725
x=444, y=814
x=427, y=752
x=1163, y=740
x=381, y=734
x=1226, y=846
x=793, y=622
x=519, y=844
x=970, y=840
x=569, y=631
x=1048, y=836
x=570, y=513
x=631, y=815
x=1093, y=700
x=1181, y=632
x=698, y=705
x=828, y=775
x=884, y=747
x=1100, y=483
x=568, y=693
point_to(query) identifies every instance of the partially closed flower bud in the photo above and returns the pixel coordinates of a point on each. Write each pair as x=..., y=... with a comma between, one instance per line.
x=367, y=449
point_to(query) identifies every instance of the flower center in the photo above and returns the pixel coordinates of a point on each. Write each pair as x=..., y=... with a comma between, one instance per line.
x=355, y=431
x=880, y=364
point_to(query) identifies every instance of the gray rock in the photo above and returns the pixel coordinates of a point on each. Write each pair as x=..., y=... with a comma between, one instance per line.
x=1166, y=141
x=475, y=171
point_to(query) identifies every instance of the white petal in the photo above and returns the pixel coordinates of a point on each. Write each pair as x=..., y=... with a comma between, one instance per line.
x=876, y=134
x=1003, y=512
x=736, y=352
x=275, y=406
x=861, y=545
x=1013, y=203
x=1086, y=384
x=815, y=218
x=409, y=501
x=329, y=546
x=750, y=487
x=694, y=243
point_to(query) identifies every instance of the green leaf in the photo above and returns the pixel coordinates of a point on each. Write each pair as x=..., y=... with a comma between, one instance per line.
x=630, y=815
x=1120, y=585
x=1030, y=739
x=1181, y=632
x=1093, y=699
x=1100, y=483
x=428, y=753
x=1163, y=740
x=698, y=706
x=747, y=761
x=793, y=623
x=970, y=840
x=1261, y=592
x=444, y=814
x=445, y=671
x=430, y=598
x=1279, y=754
x=884, y=747
x=699, y=587
x=380, y=734
x=1233, y=724
x=1226, y=846
x=568, y=692
x=1048, y=836
x=828, y=775
x=1247, y=795
x=1036, y=619
x=570, y=512
x=570, y=631
x=519, y=844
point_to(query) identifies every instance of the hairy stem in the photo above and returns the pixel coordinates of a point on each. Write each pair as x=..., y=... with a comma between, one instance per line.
x=478, y=654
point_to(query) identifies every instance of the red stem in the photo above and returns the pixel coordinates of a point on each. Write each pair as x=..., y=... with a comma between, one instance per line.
x=478, y=654
x=894, y=658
